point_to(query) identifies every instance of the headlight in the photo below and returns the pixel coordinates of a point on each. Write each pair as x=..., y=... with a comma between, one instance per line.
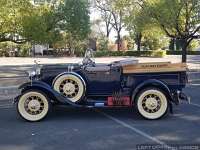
x=32, y=73
x=35, y=72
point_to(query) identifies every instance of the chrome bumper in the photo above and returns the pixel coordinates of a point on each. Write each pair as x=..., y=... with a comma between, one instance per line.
x=182, y=97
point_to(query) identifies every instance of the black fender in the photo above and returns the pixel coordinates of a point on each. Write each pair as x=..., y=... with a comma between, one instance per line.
x=40, y=85
x=154, y=83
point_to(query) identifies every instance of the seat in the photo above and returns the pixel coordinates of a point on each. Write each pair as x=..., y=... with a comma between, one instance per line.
x=125, y=62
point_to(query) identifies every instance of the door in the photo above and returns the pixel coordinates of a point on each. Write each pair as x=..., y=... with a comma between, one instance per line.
x=102, y=80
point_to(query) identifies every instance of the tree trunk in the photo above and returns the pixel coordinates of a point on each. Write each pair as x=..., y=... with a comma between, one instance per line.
x=107, y=32
x=138, y=41
x=184, y=45
x=118, y=41
x=33, y=50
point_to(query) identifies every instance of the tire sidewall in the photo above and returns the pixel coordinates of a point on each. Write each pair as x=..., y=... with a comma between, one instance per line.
x=72, y=76
x=166, y=103
x=35, y=91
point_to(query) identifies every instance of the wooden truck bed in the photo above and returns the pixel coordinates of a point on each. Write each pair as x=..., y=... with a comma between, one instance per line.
x=154, y=67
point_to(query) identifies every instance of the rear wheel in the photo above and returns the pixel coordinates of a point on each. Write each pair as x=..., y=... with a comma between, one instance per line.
x=33, y=105
x=152, y=103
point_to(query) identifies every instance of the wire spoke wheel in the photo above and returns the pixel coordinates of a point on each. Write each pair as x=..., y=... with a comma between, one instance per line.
x=33, y=105
x=70, y=86
x=152, y=103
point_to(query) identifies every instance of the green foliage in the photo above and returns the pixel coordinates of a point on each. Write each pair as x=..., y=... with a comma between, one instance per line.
x=24, y=49
x=6, y=47
x=142, y=28
x=180, y=53
x=193, y=45
x=175, y=17
x=130, y=42
x=79, y=48
x=153, y=38
x=21, y=50
x=74, y=24
x=4, y=53
x=178, y=19
x=74, y=18
x=11, y=15
x=152, y=53
x=44, y=23
x=39, y=26
x=102, y=43
x=159, y=53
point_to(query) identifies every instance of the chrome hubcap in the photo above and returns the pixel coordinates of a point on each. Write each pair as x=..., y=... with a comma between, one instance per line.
x=34, y=105
x=69, y=88
x=151, y=103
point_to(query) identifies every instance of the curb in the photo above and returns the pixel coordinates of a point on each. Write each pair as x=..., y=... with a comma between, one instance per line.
x=11, y=90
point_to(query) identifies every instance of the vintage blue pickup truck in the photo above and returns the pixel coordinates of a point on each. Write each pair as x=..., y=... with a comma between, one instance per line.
x=150, y=88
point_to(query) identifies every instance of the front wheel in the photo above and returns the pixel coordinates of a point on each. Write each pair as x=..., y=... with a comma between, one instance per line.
x=33, y=105
x=152, y=103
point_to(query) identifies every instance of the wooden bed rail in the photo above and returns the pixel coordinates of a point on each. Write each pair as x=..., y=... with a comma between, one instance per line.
x=154, y=67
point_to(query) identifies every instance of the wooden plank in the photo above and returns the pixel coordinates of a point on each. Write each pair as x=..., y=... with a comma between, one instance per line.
x=154, y=67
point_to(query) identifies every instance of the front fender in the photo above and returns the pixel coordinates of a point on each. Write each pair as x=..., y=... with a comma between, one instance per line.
x=54, y=95
x=154, y=83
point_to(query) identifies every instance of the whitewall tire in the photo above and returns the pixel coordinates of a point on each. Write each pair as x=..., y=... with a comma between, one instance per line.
x=70, y=86
x=33, y=105
x=152, y=103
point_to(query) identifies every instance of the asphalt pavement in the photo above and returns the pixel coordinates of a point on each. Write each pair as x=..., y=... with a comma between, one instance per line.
x=67, y=128
x=100, y=129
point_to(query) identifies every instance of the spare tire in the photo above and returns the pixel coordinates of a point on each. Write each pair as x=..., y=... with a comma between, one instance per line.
x=70, y=85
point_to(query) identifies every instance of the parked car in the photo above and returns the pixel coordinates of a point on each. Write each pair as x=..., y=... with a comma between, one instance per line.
x=150, y=88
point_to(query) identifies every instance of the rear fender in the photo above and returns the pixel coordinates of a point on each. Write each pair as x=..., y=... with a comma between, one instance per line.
x=152, y=83
x=39, y=85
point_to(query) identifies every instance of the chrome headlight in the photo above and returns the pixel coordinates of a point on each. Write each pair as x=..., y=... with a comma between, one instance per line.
x=32, y=73
x=35, y=72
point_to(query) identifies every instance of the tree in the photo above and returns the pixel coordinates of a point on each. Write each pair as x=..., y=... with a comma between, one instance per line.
x=114, y=16
x=11, y=17
x=40, y=26
x=135, y=21
x=106, y=17
x=74, y=20
x=135, y=25
x=179, y=19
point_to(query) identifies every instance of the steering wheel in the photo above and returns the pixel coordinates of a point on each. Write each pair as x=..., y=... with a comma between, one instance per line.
x=88, y=60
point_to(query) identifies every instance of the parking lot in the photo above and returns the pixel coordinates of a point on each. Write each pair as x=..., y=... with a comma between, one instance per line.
x=97, y=129
x=72, y=128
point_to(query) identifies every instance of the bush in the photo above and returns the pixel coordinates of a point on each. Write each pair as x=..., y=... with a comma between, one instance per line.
x=180, y=52
x=193, y=45
x=24, y=50
x=159, y=53
x=102, y=43
x=79, y=52
x=152, y=53
x=102, y=53
x=4, y=53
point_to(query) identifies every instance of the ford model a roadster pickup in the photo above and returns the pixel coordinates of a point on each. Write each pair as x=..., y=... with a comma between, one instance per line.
x=150, y=88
